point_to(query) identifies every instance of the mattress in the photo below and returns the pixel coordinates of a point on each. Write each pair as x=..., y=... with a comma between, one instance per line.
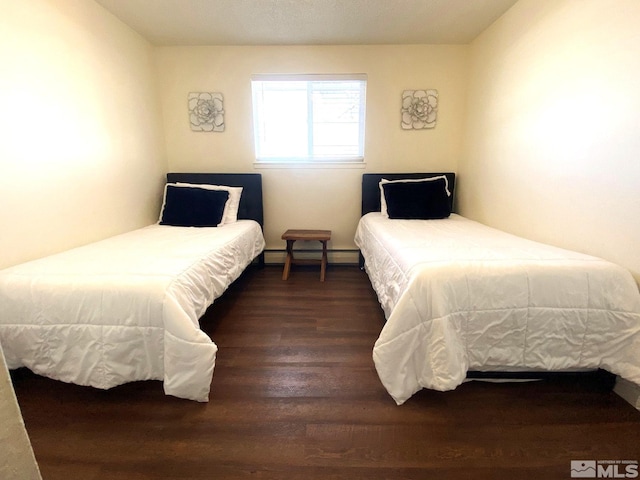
x=459, y=296
x=126, y=308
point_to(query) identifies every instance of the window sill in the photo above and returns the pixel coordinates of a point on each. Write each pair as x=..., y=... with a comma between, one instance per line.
x=304, y=165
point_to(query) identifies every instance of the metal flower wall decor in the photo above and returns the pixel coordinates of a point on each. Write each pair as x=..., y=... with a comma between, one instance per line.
x=206, y=112
x=419, y=109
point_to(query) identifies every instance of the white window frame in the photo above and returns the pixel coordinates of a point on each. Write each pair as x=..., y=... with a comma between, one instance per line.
x=306, y=126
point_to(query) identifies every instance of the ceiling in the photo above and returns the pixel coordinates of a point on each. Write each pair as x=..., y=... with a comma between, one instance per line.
x=307, y=22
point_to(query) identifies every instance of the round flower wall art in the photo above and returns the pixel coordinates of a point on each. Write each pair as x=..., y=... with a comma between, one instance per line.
x=206, y=112
x=419, y=109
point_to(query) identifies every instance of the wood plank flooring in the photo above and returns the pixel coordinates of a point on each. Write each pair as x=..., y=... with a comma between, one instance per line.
x=295, y=396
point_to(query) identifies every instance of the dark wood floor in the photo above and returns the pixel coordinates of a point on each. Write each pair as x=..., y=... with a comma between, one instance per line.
x=295, y=396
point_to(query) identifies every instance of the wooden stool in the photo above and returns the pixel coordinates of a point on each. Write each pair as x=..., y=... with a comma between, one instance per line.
x=291, y=236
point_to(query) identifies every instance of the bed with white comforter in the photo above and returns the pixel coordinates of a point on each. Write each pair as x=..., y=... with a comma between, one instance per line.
x=460, y=296
x=125, y=308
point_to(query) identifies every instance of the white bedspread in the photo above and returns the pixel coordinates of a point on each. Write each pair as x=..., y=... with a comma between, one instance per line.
x=461, y=296
x=125, y=308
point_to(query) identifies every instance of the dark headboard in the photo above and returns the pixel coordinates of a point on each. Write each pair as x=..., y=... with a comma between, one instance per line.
x=371, y=189
x=251, y=207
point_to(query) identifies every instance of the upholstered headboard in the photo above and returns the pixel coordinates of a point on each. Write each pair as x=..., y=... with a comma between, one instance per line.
x=251, y=207
x=371, y=188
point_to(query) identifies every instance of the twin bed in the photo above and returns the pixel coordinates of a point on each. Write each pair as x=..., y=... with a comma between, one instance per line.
x=127, y=308
x=459, y=296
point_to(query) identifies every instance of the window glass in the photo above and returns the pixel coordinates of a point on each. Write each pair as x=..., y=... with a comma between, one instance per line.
x=309, y=118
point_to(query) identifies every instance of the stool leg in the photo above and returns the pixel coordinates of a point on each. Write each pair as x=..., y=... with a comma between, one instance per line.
x=287, y=263
x=323, y=265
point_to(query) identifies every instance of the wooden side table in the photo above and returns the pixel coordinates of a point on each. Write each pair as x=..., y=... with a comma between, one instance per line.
x=291, y=236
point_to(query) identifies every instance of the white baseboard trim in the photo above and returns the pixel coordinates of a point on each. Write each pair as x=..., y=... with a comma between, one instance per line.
x=628, y=391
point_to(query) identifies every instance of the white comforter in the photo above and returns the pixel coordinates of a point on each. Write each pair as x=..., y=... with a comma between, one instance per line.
x=461, y=296
x=125, y=308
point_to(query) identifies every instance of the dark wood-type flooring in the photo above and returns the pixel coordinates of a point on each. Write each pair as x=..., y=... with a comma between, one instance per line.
x=295, y=396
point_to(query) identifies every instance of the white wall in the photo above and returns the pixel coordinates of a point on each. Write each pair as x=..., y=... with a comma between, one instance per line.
x=552, y=142
x=81, y=154
x=325, y=198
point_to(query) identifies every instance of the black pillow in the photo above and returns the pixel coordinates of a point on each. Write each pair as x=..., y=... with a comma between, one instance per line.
x=417, y=200
x=193, y=207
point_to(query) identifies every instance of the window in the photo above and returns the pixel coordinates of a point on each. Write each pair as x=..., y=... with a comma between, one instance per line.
x=309, y=118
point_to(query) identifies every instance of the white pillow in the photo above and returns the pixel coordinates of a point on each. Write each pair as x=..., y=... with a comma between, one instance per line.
x=230, y=214
x=383, y=202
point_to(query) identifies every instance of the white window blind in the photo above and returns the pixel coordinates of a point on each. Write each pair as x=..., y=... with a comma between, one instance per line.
x=309, y=118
